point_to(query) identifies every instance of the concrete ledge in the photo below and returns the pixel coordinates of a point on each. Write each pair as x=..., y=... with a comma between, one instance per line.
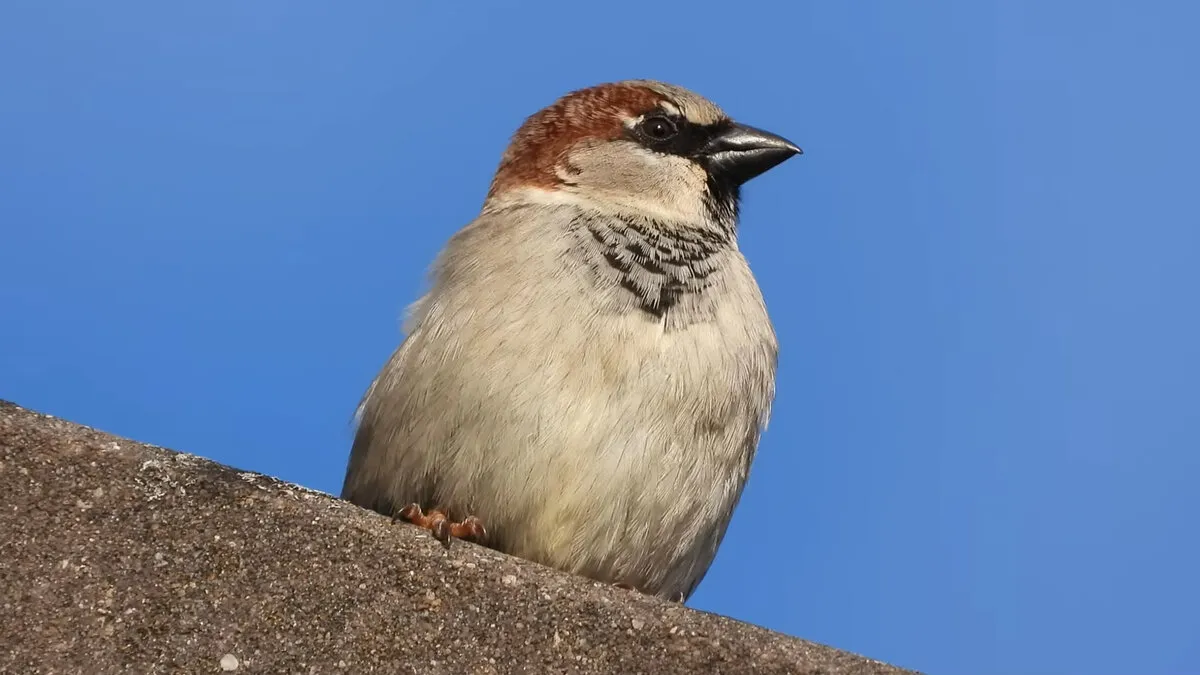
x=123, y=557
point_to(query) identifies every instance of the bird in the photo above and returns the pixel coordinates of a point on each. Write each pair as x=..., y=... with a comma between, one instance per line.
x=586, y=378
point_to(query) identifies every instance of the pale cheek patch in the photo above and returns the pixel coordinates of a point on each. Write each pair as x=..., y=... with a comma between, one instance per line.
x=627, y=174
x=671, y=185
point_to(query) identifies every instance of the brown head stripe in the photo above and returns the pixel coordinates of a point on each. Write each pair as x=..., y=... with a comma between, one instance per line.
x=540, y=143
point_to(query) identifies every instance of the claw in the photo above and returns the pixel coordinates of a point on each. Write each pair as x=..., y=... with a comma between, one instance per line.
x=410, y=513
x=441, y=526
x=470, y=528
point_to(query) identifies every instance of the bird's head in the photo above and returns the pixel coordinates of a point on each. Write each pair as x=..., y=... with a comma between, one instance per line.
x=637, y=146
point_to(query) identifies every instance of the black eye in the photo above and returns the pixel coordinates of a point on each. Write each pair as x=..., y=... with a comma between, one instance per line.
x=659, y=128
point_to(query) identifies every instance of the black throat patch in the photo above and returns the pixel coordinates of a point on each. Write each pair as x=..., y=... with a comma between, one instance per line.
x=657, y=264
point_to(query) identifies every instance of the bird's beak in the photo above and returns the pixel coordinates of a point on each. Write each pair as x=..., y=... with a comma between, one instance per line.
x=739, y=152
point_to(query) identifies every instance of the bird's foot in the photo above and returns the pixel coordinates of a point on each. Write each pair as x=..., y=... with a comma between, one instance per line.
x=470, y=528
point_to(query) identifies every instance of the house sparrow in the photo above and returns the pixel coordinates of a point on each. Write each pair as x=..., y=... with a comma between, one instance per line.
x=585, y=382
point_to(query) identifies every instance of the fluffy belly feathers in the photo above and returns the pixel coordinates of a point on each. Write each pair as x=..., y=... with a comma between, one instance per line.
x=620, y=465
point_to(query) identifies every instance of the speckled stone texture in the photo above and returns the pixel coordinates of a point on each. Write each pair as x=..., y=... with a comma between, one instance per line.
x=119, y=557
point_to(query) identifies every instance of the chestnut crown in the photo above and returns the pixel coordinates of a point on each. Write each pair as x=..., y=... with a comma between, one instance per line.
x=637, y=137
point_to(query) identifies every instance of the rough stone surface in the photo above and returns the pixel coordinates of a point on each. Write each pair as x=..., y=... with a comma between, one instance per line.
x=119, y=557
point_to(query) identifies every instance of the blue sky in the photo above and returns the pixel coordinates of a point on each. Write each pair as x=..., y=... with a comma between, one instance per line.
x=986, y=440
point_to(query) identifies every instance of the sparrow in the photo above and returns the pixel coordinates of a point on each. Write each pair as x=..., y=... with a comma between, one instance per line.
x=586, y=379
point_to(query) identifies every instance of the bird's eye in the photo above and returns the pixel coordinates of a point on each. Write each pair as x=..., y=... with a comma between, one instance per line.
x=659, y=128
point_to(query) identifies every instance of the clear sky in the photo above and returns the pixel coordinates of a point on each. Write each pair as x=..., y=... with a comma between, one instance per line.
x=986, y=442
